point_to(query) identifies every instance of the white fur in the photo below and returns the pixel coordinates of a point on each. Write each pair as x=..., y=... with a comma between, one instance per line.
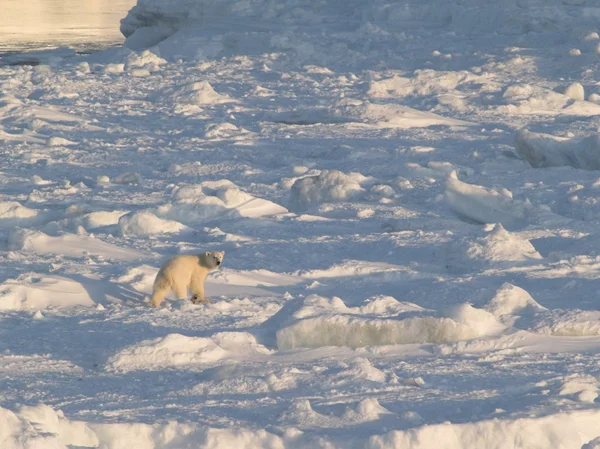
x=181, y=272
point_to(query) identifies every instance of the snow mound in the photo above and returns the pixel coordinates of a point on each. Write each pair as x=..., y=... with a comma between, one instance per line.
x=359, y=370
x=200, y=93
x=12, y=213
x=368, y=409
x=390, y=115
x=511, y=301
x=68, y=245
x=31, y=292
x=145, y=223
x=42, y=427
x=496, y=248
x=328, y=186
x=527, y=99
x=213, y=199
x=484, y=205
x=176, y=350
x=545, y=150
x=144, y=59
x=99, y=219
x=514, y=307
x=319, y=321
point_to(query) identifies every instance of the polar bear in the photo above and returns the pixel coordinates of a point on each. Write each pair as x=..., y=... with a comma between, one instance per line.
x=181, y=272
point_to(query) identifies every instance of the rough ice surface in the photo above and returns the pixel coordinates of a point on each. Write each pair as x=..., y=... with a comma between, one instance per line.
x=327, y=186
x=407, y=195
x=543, y=150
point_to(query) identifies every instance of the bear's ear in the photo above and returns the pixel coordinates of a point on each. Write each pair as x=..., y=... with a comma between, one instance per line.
x=207, y=253
x=223, y=253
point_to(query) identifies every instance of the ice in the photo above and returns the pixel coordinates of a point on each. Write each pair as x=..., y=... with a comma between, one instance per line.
x=511, y=300
x=484, y=205
x=575, y=91
x=322, y=322
x=13, y=213
x=544, y=150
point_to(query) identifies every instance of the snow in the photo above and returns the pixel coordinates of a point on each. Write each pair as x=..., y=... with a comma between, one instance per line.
x=407, y=193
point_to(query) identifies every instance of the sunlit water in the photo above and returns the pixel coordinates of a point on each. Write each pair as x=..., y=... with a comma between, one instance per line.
x=83, y=25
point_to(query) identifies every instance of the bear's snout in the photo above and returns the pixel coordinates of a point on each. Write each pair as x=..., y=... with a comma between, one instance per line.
x=218, y=262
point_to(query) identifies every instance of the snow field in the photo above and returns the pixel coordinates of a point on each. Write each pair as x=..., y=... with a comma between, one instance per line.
x=408, y=206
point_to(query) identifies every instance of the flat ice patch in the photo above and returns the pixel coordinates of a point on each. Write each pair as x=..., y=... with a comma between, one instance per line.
x=176, y=350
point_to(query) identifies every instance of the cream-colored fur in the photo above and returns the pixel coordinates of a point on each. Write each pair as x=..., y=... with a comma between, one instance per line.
x=181, y=272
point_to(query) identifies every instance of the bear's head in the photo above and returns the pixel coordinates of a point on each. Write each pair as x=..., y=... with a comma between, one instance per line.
x=214, y=259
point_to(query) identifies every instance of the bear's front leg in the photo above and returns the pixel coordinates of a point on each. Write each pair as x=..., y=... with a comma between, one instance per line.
x=197, y=288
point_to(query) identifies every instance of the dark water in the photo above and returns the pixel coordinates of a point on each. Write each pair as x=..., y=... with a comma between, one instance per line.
x=82, y=25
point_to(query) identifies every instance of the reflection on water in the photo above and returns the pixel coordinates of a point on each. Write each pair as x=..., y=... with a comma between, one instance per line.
x=80, y=24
